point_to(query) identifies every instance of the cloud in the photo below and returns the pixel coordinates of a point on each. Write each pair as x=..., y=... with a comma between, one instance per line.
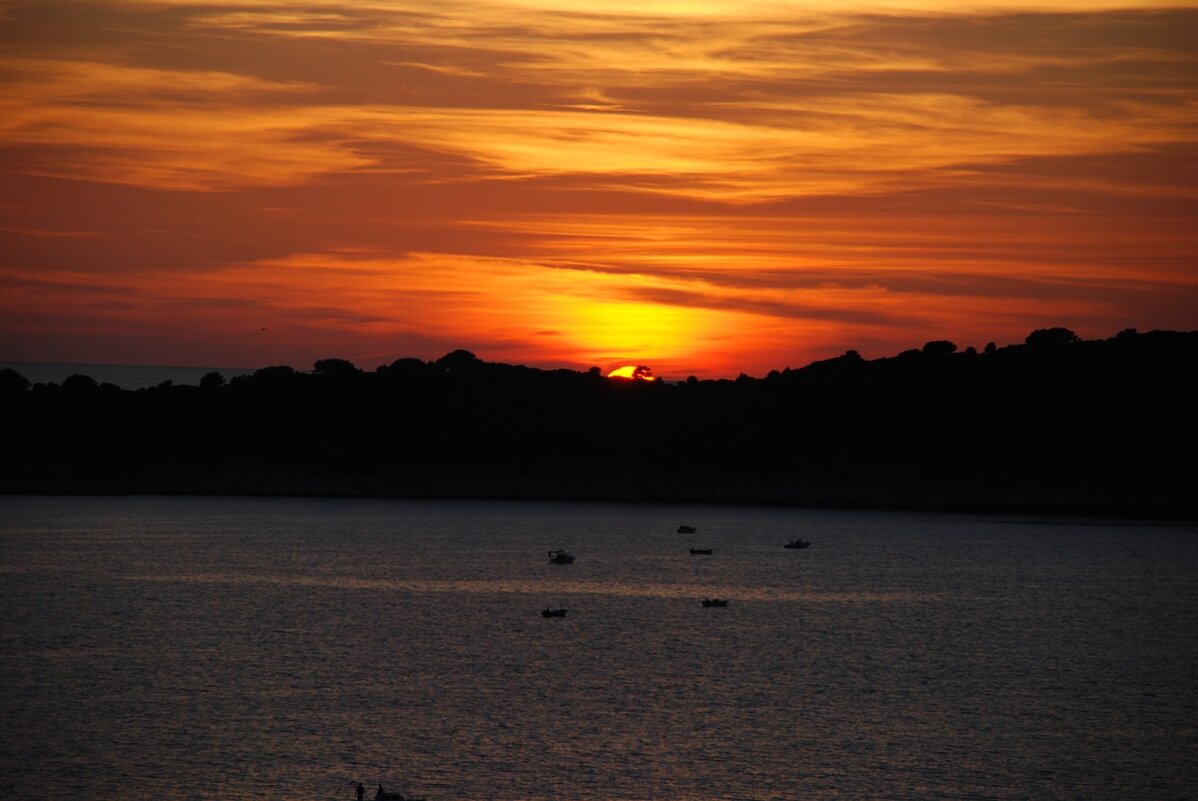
x=716, y=109
x=160, y=128
x=674, y=183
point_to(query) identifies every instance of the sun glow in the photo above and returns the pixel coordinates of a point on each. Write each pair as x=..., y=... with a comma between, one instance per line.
x=633, y=372
x=705, y=186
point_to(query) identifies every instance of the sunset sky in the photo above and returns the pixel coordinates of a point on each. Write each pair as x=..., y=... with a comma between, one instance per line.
x=706, y=187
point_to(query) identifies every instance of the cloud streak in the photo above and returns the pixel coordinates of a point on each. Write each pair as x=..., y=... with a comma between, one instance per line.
x=709, y=186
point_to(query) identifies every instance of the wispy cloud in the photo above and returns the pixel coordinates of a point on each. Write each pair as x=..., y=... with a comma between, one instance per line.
x=697, y=184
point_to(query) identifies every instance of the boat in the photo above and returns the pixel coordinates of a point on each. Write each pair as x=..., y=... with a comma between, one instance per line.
x=701, y=551
x=685, y=529
x=547, y=612
x=560, y=557
x=799, y=543
x=715, y=602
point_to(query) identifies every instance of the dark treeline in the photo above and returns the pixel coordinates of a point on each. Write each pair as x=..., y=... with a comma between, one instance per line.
x=1053, y=424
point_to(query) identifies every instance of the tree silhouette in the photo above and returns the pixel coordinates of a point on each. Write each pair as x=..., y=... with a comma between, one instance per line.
x=12, y=382
x=79, y=383
x=939, y=347
x=458, y=360
x=1054, y=423
x=335, y=367
x=1051, y=338
x=212, y=382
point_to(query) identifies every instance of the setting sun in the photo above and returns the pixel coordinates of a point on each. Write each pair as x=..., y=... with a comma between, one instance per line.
x=633, y=372
x=713, y=187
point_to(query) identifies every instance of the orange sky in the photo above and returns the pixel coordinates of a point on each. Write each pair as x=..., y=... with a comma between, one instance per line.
x=707, y=188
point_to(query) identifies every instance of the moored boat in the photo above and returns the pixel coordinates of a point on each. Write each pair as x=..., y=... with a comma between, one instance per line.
x=715, y=602
x=799, y=543
x=547, y=612
x=560, y=557
x=701, y=551
x=685, y=529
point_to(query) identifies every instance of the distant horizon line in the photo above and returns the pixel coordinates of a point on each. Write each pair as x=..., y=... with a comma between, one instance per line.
x=10, y=362
x=198, y=367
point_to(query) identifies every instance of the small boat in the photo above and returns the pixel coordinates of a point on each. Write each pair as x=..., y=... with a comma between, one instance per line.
x=685, y=529
x=547, y=612
x=799, y=543
x=560, y=557
x=701, y=551
x=715, y=602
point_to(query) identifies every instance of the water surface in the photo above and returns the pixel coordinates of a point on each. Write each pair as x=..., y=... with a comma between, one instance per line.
x=222, y=648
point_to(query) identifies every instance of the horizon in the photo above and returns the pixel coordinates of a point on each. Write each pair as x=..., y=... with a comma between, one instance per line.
x=228, y=371
x=708, y=188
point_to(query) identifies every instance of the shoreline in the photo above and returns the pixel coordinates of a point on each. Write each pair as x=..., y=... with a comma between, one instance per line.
x=1071, y=500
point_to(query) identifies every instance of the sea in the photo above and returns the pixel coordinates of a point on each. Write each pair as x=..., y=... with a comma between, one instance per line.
x=282, y=648
x=125, y=376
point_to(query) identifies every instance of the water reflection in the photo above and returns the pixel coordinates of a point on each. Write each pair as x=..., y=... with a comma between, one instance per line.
x=670, y=591
x=241, y=648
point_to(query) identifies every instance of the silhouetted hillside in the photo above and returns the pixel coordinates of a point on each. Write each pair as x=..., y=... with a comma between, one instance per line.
x=1057, y=423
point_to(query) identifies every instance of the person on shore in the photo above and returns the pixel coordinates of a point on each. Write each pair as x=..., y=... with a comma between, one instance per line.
x=360, y=791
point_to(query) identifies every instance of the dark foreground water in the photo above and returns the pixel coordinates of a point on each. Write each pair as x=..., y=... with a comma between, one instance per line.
x=221, y=648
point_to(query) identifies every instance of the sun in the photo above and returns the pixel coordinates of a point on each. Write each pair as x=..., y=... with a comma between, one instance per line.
x=633, y=372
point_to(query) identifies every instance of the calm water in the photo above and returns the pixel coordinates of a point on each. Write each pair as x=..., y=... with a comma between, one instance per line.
x=259, y=648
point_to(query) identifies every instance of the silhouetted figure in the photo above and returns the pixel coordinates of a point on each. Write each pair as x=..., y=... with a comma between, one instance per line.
x=360, y=791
